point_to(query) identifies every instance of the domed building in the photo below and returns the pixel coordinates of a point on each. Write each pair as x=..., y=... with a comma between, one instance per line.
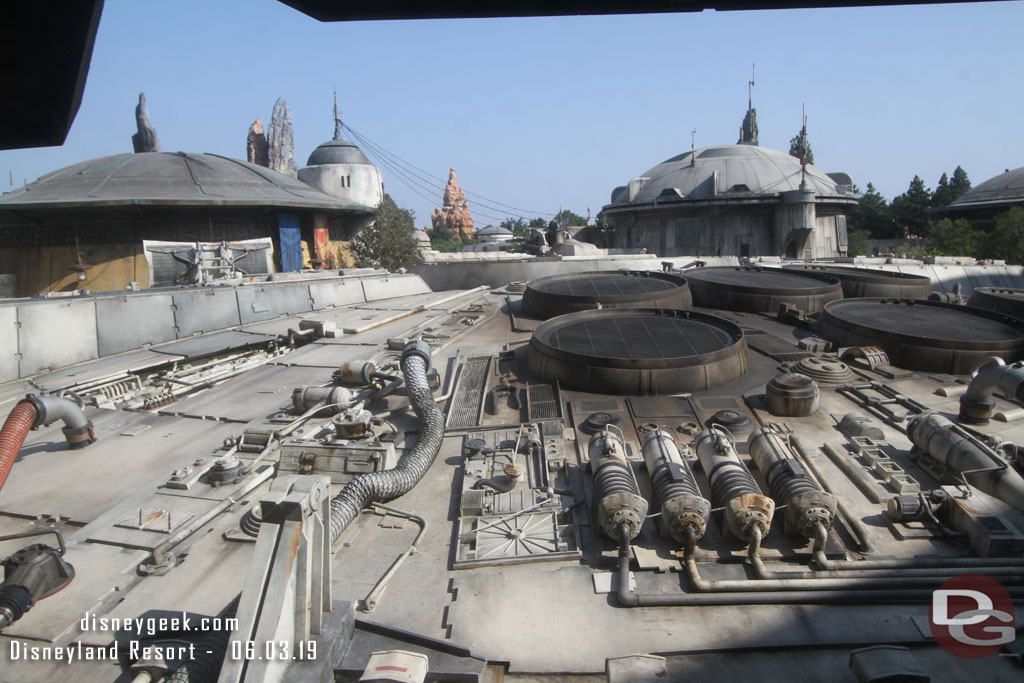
x=989, y=199
x=99, y=213
x=340, y=169
x=732, y=200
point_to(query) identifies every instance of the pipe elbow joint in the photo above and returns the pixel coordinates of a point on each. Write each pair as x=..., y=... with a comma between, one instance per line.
x=977, y=404
x=78, y=429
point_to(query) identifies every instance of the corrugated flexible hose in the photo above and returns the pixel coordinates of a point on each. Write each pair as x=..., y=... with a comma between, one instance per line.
x=380, y=487
x=13, y=434
x=372, y=487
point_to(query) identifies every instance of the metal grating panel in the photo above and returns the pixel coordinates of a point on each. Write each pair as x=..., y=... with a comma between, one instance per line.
x=543, y=402
x=597, y=405
x=718, y=403
x=646, y=338
x=776, y=348
x=468, y=400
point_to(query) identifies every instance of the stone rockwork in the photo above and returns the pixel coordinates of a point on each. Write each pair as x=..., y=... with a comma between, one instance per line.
x=454, y=214
x=145, y=140
x=281, y=141
x=257, y=150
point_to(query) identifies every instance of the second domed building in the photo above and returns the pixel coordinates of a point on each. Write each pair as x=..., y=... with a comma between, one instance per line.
x=732, y=200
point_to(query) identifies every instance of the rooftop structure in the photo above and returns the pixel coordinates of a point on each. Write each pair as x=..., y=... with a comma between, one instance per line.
x=741, y=200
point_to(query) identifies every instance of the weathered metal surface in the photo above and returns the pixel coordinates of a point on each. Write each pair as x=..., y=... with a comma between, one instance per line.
x=132, y=322
x=262, y=303
x=41, y=348
x=546, y=609
x=205, y=310
x=9, y=342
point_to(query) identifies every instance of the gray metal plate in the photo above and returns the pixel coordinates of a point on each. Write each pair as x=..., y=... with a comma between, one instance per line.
x=205, y=310
x=123, y=464
x=390, y=286
x=102, y=368
x=255, y=394
x=213, y=343
x=336, y=293
x=124, y=323
x=9, y=343
x=270, y=301
x=325, y=355
x=54, y=334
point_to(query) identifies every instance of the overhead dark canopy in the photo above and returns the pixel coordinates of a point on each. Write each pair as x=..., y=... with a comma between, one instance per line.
x=48, y=45
x=332, y=10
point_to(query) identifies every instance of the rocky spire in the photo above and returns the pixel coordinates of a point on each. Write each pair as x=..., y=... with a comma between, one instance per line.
x=257, y=150
x=280, y=139
x=454, y=214
x=145, y=140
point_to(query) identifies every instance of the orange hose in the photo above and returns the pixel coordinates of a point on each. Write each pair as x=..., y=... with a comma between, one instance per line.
x=13, y=434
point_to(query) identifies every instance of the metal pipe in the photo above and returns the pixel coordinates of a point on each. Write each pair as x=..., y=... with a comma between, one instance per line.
x=977, y=404
x=627, y=597
x=808, y=580
x=160, y=553
x=370, y=601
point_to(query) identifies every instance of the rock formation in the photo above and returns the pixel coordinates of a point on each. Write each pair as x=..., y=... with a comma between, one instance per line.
x=145, y=140
x=281, y=141
x=455, y=213
x=257, y=150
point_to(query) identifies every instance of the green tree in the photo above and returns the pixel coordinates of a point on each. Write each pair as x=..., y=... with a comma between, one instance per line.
x=873, y=216
x=955, y=238
x=388, y=241
x=567, y=218
x=1007, y=238
x=800, y=147
x=959, y=183
x=859, y=243
x=539, y=223
x=910, y=209
x=949, y=190
x=517, y=226
x=944, y=194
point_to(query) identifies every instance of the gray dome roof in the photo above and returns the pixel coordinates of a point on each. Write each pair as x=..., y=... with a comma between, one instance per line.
x=742, y=171
x=337, y=152
x=1005, y=189
x=168, y=178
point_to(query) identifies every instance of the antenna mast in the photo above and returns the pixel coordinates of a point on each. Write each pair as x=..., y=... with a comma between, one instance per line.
x=337, y=118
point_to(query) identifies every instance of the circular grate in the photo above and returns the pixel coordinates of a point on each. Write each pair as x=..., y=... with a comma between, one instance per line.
x=924, y=335
x=560, y=294
x=638, y=351
x=999, y=299
x=762, y=290
x=862, y=282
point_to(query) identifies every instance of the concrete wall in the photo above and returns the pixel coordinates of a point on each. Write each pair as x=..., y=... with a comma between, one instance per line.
x=466, y=273
x=42, y=334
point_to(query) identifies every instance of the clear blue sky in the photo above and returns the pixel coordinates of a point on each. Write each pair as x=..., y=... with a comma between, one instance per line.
x=549, y=113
